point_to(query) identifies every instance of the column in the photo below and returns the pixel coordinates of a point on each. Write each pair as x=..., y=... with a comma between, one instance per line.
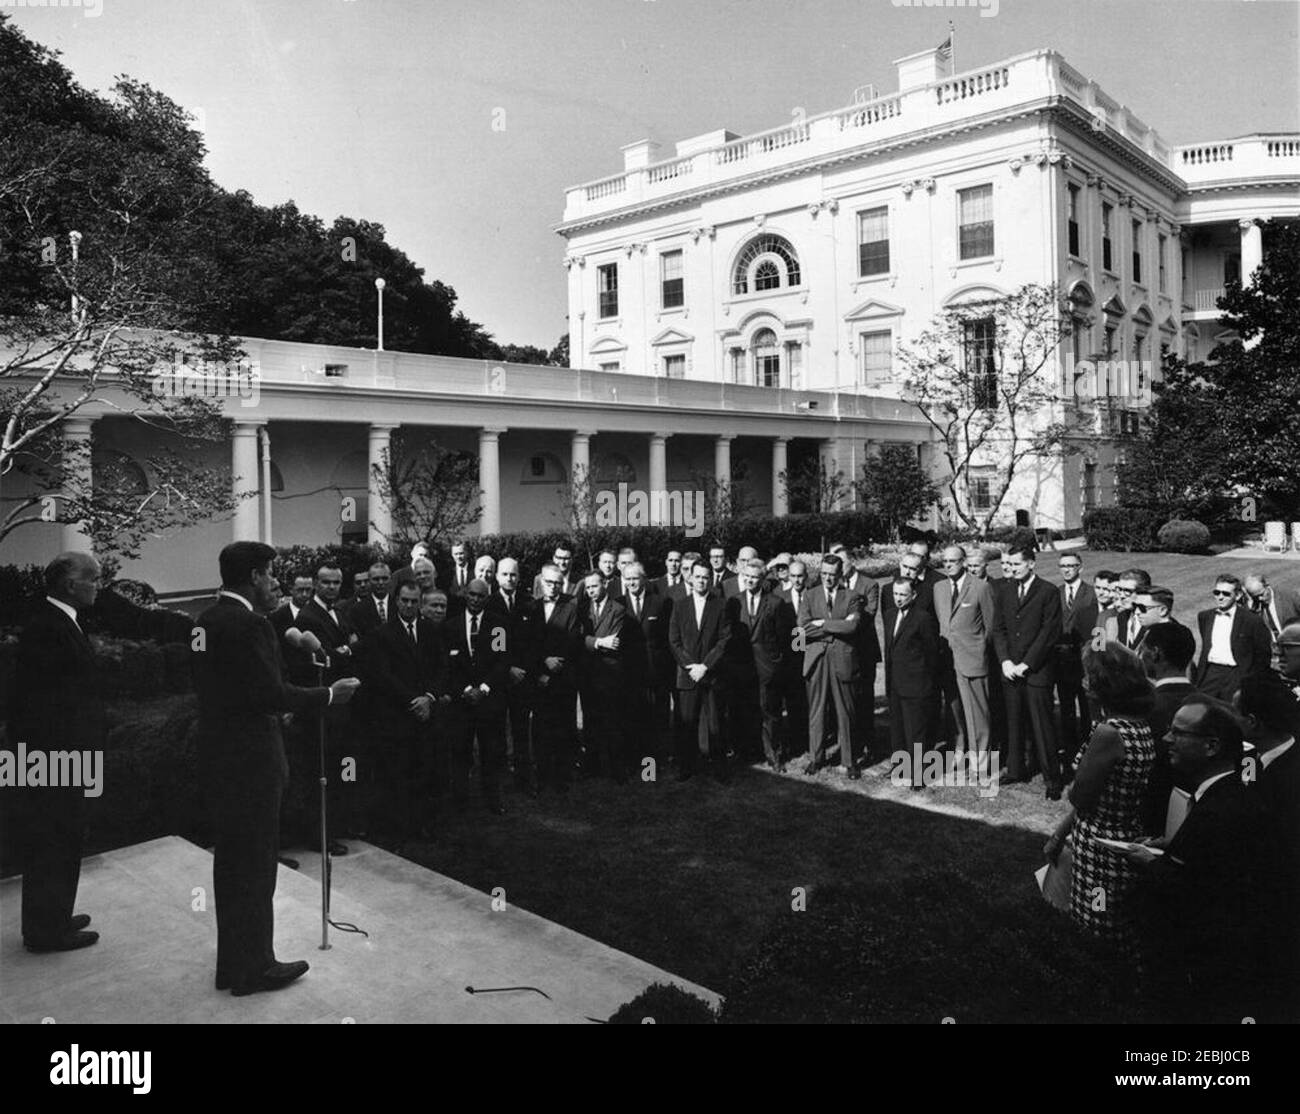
x=829, y=456
x=780, y=498
x=1252, y=248
x=76, y=456
x=381, y=514
x=722, y=458
x=264, y=439
x=658, y=477
x=580, y=477
x=489, y=479
x=244, y=476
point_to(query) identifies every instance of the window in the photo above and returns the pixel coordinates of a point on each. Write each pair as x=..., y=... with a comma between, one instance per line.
x=981, y=491
x=607, y=286
x=670, y=279
x=1104, y=373
x=1137, y=251
x=1106, y=261
x=1139, y=355
x=1161, y=244
x=675, y=367
x=737, y=365
x=767, y=359
x=979, y=352
x=1073, y=224
x=1231, y=268
x=336, y=371
x=1089, y=485
x=613, y=365
x=769, y=258
x=873, y=242
x=796, y=365
x=877, y=356
x=976, y=231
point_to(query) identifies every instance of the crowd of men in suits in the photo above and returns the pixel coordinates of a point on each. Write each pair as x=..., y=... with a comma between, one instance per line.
x=717, y=662
x=702, y=667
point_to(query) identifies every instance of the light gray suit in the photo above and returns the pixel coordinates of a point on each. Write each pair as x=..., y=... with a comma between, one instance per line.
x=965, y=629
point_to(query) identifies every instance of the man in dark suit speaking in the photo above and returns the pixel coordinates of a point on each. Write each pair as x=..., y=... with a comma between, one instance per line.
x=55, y=708
x=242, y=695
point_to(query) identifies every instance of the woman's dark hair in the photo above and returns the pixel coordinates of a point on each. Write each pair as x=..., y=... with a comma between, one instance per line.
x=1116, y=677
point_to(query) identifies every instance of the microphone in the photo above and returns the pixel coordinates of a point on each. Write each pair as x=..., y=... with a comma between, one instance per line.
x=307, y=642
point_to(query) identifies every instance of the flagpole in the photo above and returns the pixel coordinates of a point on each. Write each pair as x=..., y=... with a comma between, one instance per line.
x=952, y=52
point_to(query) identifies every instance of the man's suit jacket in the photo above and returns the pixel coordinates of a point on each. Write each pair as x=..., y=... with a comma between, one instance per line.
x=719, y=581
x=1077, y=621
x=834, y=645
x=55, y=701
x=662, y=587
x=364, y=614
x=397, y=670
x=283, y=617
x=912, y=655
x=1252, y=649
x=794, y=658
x=679, y=591
x=489, y=664
x=706, y=644
x=967, y=627
x=1285, y=604
x=561, y=637
x=869, y=590
x=238, y=675
x=333, y=634
x=758, y=645
x=518, y=621
x=602, y=666
x=1222, y=895
x=1160, y=782
x=454, y=585
x=1028, y=632
x=1126, y=638
x=646, y=653
x=1108, y=622
x=1279, y=784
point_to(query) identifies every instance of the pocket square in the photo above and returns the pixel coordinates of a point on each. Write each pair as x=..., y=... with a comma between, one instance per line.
x=453, y=653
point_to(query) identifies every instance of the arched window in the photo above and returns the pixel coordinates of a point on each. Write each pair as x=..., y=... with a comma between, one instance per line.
x=767, y=263
x=767, y=359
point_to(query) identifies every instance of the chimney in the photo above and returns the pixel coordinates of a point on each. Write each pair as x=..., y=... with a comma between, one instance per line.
x=639, y=154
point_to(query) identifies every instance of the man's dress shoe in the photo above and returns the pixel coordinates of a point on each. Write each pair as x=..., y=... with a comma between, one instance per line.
x=275, y=977
x=79, y=922
x=70, y=941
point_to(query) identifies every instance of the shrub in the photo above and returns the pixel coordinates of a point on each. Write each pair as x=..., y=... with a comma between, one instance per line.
x=667, y=1005
x=1121, y=528
x=1184, y=535
x=20, y=588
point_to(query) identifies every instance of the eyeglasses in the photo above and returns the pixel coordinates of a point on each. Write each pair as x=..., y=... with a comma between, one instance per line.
x=1143, y=608
x=951, y=561
x=554, y=583
x=1220, y=592
x=1122, y=590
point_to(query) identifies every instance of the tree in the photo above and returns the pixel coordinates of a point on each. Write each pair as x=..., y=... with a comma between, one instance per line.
x=896, y=487
x=811, y=487
x=723, y=499
x=104, y=208
x=577, y=509
x=560, y=353
x=431, y=492
x=981, y=376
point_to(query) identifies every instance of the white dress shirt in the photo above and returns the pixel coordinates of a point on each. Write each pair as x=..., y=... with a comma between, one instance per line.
x=1221, y=638
x=71, y=612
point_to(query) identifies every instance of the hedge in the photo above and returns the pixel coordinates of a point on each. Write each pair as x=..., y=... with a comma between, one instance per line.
x=1122, y=528
x=1184, y=536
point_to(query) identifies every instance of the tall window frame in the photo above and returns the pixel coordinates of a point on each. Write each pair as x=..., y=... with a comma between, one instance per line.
x=873, y=241
x=672, y=281
x=607, y=290
x=975, y=234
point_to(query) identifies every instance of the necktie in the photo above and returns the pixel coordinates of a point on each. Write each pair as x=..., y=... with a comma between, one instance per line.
x=794, y=597
x=902, y=611
x=410, y=629
x=830, y=603
x=510, y=601
x=636, y=608
x=473, y=633
x=383, y=610
x=956, y=596
x=751, y=607
x=1069, y=596
x=1021, y=592
x=549, y=608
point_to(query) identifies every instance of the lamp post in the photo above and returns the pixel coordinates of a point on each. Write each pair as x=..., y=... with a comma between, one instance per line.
x=379, y=285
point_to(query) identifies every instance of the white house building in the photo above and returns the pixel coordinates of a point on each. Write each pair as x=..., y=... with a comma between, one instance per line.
x=800, y=257
x=743, y=301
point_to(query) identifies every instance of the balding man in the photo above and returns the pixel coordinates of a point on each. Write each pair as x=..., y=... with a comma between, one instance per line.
x=55, y=707
x=963, y=605
x=485, y=569
x=733, y=586
x=371, y=610
x=1276, y=606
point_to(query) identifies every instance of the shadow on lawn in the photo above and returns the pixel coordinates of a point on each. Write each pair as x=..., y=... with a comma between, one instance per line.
x=908, y=915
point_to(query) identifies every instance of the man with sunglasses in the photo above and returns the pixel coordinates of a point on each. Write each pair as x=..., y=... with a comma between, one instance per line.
x=1234, y=642
x=1151, y=606
x=1125, y=591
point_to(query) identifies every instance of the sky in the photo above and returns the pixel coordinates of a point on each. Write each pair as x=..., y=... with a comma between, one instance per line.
x=457, y=124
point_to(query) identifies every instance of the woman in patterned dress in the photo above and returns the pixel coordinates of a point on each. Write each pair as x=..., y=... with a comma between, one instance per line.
x=1106, y=796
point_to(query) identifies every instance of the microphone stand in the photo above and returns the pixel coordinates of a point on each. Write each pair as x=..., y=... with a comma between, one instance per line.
x=324, y=838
